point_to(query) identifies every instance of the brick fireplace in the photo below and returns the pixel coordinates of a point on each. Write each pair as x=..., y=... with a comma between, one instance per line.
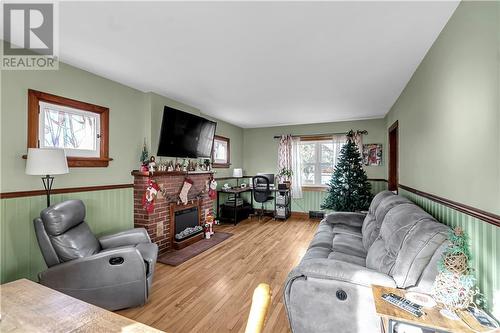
x=158, y=223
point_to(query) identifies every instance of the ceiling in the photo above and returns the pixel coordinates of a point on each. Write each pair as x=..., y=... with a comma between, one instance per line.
x=257, y=64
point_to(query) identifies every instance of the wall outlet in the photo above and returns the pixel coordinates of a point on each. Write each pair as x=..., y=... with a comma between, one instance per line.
x=159, y=229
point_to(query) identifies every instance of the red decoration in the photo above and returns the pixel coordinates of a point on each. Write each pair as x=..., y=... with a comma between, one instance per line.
x=148, y=199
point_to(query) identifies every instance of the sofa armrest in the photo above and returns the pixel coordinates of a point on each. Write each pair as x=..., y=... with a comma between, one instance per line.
x=347, y=218
x=124, y=238
x=331, y=269
x=99, y=270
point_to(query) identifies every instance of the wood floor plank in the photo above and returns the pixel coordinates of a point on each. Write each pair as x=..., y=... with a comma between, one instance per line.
x=212, y=292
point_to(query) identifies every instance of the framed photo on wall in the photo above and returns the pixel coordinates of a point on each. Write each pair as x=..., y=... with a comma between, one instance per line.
x=372, y=154
x=221, y=152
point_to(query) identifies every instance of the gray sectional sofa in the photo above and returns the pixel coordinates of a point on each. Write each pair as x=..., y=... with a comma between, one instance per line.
x=396, y=244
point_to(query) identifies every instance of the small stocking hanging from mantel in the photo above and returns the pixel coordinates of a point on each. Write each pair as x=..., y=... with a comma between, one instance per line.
x=212, y=188
x=149, y=196
x=186, y=186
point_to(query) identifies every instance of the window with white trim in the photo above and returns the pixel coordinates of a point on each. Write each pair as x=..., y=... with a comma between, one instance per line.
x=77, y=131
x=318, y=159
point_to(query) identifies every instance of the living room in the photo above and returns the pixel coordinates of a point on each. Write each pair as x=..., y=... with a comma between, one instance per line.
x=197, y=160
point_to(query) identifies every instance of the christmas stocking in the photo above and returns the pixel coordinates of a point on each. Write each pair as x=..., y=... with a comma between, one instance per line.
x=185, y=189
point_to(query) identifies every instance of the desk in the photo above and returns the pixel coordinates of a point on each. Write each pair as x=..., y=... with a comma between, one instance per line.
x=30, y=307
x=432, y=320
x=238, y=190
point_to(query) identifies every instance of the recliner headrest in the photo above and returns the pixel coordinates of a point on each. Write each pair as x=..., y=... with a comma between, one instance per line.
x=63, y=216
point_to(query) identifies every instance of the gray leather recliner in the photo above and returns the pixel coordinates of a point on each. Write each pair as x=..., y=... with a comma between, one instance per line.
x=113, y=272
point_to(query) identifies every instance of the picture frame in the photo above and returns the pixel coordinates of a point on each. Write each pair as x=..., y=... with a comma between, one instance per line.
x=372, y=154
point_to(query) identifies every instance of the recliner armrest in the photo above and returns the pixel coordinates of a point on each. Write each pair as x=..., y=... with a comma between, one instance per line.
x=125, y=238
x=332, y=269
x=99, y=270
x=348, y=218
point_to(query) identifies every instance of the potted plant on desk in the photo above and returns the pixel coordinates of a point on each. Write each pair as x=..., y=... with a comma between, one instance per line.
x=285, y=175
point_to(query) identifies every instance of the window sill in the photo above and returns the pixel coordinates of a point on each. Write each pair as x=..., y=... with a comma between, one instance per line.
x=221, y=165
x=315, y=188
x=80, y=162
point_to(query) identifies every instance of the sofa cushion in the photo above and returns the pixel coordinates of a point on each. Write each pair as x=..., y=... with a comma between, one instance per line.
x=375, y=218
x=323, y=236
x=348, y=258
x=317, y=253
x=408, y=238
x=377, y=199
x=369, y=224
x=348, y=244
x=347, y=230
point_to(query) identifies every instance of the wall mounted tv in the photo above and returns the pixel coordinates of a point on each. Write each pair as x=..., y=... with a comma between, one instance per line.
x=185, y=135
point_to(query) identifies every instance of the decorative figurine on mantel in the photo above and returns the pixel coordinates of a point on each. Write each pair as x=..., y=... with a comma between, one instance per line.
x=208, y=166
x=152, y=165
x=170, y=166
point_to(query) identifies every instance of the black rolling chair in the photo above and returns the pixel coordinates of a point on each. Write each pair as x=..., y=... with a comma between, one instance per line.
x=261, y=192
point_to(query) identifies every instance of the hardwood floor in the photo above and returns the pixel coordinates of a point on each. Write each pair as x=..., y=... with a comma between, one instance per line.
x=212, y=292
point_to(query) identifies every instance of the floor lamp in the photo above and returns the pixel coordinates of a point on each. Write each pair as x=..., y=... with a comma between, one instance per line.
x=46, y=162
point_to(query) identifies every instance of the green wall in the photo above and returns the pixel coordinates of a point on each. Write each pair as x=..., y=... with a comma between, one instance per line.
x=449, y=132
x=261, y=149
x=484, y=245
x=449, y=114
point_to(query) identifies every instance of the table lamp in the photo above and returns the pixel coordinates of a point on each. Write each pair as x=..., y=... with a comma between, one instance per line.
x=237, y=173
x=46, y=162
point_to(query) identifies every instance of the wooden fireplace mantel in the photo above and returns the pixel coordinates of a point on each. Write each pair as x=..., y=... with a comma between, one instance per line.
x=137, y=173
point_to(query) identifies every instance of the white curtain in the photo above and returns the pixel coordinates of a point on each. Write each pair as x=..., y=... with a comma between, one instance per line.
x=285, y=152
x=296, y=169
x=339, y=141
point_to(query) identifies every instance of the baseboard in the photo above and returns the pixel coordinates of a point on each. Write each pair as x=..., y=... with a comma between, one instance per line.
x=300, y=215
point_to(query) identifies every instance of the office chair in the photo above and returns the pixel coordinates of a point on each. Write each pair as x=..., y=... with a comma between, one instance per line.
x=261, y=194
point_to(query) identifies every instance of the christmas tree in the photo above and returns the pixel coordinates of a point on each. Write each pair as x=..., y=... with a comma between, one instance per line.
x=349, y=189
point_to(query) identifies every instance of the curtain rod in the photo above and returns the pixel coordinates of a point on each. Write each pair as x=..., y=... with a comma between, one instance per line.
x=364, y=132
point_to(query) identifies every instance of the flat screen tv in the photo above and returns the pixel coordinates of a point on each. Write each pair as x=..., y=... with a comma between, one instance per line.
x=185, y=135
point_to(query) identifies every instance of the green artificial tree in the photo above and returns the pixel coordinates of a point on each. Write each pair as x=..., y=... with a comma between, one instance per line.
x=144, y=153
x=349, y=189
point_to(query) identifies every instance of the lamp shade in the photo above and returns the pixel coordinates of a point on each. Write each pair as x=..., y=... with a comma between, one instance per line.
x=238, y=172
x=46, y=161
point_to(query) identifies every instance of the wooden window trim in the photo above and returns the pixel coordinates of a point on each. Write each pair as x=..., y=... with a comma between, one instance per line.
x=317, y=188
x=223, y=165
x=316, y=137
x=34, y=97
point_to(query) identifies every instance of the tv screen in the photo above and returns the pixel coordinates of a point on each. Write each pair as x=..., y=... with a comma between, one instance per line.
x=185, y=135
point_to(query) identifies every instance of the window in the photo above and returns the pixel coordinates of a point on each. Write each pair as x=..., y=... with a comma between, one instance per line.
x=75, y=130
x=221, y=152
x=318, y=159
x=81, y=129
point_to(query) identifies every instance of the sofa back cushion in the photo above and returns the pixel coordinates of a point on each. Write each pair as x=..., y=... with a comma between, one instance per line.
x=381, y=204
x=408, y=239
